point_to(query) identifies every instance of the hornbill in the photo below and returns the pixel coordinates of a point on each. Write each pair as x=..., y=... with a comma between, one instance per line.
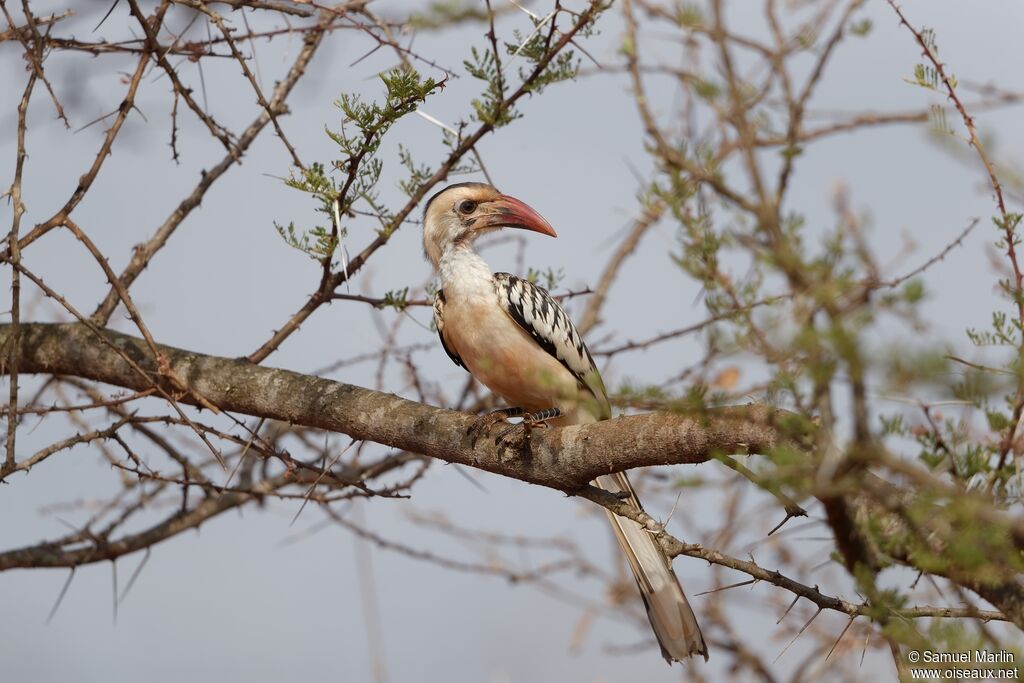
x=516, y=340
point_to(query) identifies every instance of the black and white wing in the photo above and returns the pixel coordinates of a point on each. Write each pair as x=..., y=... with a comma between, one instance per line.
x=533, y=309
x=439, y=324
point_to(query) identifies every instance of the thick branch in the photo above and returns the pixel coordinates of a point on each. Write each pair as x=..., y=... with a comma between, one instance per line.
x=564, y=459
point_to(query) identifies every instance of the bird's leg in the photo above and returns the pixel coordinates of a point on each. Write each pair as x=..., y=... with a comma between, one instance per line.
x=483, y=424
x=530, y=420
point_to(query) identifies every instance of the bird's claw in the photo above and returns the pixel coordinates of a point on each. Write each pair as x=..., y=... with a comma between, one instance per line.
x=530, y=421
x=482, y=425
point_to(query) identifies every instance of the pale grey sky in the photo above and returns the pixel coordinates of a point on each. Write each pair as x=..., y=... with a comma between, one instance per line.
x=231, y=602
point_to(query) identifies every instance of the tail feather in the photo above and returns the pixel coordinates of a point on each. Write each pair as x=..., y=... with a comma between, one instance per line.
x=672, y=619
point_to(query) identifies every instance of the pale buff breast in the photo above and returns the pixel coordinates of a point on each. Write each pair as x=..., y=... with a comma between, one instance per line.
x=503, y=357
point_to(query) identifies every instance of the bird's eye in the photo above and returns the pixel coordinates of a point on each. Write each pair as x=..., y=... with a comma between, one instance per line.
x=466, y=206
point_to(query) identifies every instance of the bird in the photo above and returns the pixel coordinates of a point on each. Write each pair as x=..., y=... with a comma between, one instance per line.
x=515, y=339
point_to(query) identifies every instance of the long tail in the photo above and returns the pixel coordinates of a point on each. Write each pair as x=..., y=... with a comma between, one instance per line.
x=673, y=621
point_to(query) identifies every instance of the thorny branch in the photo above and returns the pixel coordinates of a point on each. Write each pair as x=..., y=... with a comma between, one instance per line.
x=465, y=145
x=716, y=185
x=562, y=459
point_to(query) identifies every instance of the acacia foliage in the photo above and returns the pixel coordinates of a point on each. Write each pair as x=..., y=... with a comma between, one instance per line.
x=800, y=318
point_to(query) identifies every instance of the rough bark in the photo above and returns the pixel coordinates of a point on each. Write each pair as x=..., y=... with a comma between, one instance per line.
x=563, y=458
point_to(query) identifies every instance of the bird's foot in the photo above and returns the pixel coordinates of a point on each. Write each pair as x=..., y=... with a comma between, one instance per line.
x=530, y=421
x=482, y=425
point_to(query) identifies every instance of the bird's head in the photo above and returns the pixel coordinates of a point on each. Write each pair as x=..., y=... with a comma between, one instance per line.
x=461, y=213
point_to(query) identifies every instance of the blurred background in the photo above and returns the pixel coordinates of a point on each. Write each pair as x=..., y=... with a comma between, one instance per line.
x=260, y=595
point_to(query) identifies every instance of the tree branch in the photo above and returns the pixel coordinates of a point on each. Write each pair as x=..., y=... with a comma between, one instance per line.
x=564, y=458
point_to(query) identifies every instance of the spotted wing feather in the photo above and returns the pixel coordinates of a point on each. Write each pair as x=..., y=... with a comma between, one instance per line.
x=534, y=310
x=439, y=324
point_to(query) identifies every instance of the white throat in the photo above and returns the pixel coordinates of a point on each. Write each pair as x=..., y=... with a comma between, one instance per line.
x=464, y=275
